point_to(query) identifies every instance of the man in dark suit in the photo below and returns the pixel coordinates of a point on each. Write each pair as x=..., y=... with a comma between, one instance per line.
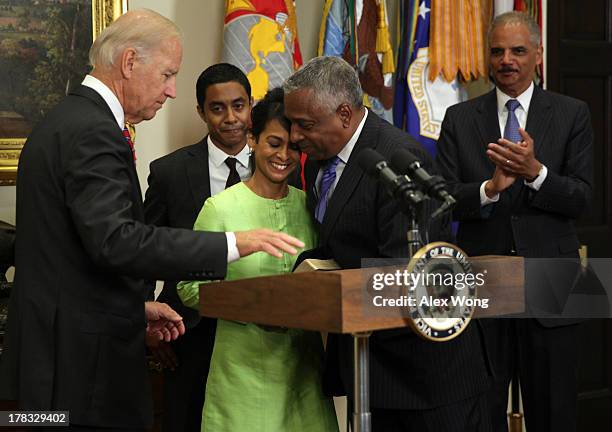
x=520, y=195
x=179, y=183
x=78, y=314
x=416, y=385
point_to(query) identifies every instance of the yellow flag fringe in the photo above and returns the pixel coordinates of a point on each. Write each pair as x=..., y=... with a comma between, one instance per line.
x=458, y=39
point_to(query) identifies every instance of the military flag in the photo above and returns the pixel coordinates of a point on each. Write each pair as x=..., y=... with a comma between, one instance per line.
x=424, y=100
x=260, y=37
x=358, y=31
x=442, y=46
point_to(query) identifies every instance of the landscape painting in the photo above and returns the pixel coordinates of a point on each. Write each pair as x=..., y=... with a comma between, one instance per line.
x=44, y=47
x=43, y=54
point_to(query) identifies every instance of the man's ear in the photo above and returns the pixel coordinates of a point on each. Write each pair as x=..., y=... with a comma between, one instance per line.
x=345, y=112
x=540, y=55
x=128, y=59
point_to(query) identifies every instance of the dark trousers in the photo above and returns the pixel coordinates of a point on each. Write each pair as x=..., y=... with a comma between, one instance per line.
x=184, y=387
x=546, y=360
x=469, y=415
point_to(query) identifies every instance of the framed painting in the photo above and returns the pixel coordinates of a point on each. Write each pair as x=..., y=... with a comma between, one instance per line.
x=44, y=47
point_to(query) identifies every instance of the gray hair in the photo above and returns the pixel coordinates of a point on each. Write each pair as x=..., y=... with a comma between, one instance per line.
x=517, y=17
x=332, y=80
x=141, y=29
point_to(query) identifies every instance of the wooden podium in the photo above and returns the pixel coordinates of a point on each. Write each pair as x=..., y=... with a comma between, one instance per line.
x=333, y=301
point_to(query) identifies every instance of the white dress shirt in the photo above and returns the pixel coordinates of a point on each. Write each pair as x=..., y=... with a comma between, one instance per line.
x=218, y=169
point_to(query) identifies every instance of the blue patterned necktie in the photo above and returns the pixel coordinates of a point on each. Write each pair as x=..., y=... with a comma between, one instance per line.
x=511, y=131
x=327, y=180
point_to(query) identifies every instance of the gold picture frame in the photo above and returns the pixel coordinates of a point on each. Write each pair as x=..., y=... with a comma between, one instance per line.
x=103, y=12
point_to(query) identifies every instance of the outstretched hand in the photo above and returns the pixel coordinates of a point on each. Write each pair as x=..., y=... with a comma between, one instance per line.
x=266, y=240
x=163, y=323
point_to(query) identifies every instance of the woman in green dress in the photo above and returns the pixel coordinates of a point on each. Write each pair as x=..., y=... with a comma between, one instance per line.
x=263, y=379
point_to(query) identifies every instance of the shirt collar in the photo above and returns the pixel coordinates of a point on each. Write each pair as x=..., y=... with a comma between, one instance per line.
x=524, y=99
x=109, y=97
x=346, y=151
x=218, y=156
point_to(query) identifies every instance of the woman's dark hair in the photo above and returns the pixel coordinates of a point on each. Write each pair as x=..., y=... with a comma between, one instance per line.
x=271, y=107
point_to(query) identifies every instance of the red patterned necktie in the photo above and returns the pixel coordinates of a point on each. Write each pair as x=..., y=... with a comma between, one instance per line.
x=128, y=139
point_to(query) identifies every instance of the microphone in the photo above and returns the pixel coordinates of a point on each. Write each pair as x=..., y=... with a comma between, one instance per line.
x=434, y=186
x=399, y=186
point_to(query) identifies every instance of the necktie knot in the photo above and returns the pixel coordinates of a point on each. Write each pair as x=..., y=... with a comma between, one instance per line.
x=332, y=164
x=233, y=177
x=231, y=163
x=512, y=104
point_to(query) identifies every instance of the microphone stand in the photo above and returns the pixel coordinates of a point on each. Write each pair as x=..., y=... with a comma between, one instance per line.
x=413, y=235
x=410, y=208
x=361, y=341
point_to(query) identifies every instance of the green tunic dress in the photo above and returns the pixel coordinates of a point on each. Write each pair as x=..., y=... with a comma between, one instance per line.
x=261, y=380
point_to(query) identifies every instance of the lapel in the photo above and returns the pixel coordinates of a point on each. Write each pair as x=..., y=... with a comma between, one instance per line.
x=351, y=176
x=196, y=167
x=539, y=118
x=487, y=121
x=94, y=96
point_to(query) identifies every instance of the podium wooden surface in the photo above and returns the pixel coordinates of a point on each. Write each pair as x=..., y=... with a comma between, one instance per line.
x=333, y=301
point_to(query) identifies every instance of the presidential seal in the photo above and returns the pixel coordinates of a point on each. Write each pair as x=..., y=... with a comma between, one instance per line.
x=443, y=291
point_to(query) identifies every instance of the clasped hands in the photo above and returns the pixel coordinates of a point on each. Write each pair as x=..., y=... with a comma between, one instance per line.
x=512, y=160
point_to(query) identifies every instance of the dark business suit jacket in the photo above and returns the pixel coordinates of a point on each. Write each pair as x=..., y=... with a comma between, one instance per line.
x=179, y=184
x=362, y=221
x=83, y=251
x=536, y=224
